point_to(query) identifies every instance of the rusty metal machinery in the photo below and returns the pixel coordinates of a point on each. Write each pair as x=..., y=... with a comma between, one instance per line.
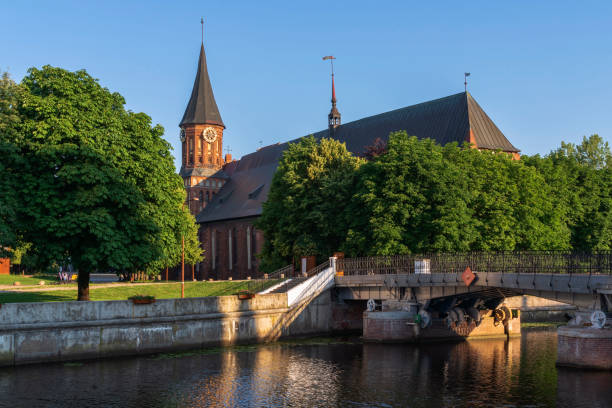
x=501, y=315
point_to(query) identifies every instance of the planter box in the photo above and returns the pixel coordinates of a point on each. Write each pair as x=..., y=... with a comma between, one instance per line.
x=142, y=301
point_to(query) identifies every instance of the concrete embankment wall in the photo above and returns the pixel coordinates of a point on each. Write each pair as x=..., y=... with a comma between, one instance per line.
x=537, y=309
x=60, y=331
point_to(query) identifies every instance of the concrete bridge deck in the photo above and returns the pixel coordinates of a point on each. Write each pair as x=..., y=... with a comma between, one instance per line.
x=579, y=290
x=581, y=279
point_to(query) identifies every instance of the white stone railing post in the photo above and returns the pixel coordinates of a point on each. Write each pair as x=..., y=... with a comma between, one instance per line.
x=332, y=263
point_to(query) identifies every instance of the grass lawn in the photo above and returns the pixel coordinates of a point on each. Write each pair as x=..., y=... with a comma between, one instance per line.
x=24, y=280
x=160, y=291
x=542, y=324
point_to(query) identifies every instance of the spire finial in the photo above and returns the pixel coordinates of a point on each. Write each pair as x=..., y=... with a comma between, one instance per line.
x=465, y=75
x=334, y=115
x=202, y=23
x=331, y=59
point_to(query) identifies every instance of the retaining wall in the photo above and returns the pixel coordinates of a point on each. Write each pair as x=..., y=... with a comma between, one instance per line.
x=60, y=331
x=584, y=347
x=537, y=309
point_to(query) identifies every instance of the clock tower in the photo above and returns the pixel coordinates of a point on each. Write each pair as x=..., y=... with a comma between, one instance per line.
x=202, y=142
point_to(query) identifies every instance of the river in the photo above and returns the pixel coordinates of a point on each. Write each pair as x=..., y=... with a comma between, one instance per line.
x=320, y=373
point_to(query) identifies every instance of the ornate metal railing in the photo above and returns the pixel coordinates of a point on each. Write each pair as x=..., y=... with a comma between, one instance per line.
x=599, y=262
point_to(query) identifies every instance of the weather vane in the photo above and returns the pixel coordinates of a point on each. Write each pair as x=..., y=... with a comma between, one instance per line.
x=202, y=23
x=331, y=58
x=465, y=75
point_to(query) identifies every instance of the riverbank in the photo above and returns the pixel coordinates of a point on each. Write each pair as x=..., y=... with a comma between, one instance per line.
x=66, y=331
x=122, y=291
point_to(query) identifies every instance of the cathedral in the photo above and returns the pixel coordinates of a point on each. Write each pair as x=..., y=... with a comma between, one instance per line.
x=226, y=195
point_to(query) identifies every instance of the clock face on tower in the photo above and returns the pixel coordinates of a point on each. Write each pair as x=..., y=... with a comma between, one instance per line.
x=209, y=134
x=182, y=135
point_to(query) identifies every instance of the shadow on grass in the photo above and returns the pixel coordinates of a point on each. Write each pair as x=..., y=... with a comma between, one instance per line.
x=27, y=297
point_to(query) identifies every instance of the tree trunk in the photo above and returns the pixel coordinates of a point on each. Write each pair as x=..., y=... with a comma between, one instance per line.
x=83, y=279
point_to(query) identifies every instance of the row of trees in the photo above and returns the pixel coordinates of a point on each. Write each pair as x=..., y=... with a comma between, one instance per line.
x=415, y=196
x=83, y=181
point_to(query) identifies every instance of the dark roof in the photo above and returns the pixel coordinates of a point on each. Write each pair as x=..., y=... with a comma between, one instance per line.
x=202, y=108
x=203, y=172
x=247, y=188
x=445, y=120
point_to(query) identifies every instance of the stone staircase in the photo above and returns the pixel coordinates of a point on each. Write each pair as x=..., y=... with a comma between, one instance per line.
x=289, y=284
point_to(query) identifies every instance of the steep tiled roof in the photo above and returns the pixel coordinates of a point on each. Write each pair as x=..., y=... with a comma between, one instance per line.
x=202, y=107
x=445, y=120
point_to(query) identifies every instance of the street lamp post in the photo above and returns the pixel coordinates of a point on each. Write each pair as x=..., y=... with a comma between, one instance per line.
x=183, y=265
x=183, y=257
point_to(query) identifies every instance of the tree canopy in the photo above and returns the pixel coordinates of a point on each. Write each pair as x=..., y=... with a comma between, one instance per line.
x=422, y=197
x=580, y=178
x=93, y=184
x=415, y=196
x=304, y=211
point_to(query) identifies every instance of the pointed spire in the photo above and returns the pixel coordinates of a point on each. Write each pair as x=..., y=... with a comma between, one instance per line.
x=333, y=119
x=333, y=101
x=202, y=107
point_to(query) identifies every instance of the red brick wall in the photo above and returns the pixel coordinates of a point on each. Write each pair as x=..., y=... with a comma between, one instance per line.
x=584, y=347
x=5, y=266
x=200, y=156
x=239, y=268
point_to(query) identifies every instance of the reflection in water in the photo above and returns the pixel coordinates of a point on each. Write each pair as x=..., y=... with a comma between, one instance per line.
x=518, y=372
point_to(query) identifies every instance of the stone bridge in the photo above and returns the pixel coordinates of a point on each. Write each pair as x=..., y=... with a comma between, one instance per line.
x=456, y=296
x=583, y=280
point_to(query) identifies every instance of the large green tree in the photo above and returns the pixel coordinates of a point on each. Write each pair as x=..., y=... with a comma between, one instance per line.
x=95, y=183
x=304, y=213
x=409, y=199
x=422, y=197
x=580, y=181
x=9, y=159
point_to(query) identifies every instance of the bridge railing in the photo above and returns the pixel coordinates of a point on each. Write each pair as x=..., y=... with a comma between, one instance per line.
x=599, y=262
x=277, y=276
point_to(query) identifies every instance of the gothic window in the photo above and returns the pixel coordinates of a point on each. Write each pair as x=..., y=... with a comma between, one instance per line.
x=214, y=249
x=234, y=253
x=253, y=243
x=219, y=184
x=210, y=148
x=201, y=196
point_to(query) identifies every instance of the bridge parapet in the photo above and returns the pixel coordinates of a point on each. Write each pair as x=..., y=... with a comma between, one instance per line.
x=518, y=262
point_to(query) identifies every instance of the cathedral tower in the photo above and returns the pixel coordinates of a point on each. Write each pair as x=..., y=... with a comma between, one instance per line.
x=202, y=142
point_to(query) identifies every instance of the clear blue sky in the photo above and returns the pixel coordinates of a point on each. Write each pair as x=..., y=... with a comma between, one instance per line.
x=542, y=70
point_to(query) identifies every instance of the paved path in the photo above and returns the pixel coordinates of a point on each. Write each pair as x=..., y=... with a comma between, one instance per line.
x=73, y=286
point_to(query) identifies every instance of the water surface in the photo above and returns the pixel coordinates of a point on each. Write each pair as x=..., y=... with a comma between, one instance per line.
x=320, y=373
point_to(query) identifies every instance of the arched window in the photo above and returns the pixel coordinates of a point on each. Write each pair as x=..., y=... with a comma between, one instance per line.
x=234, y=252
